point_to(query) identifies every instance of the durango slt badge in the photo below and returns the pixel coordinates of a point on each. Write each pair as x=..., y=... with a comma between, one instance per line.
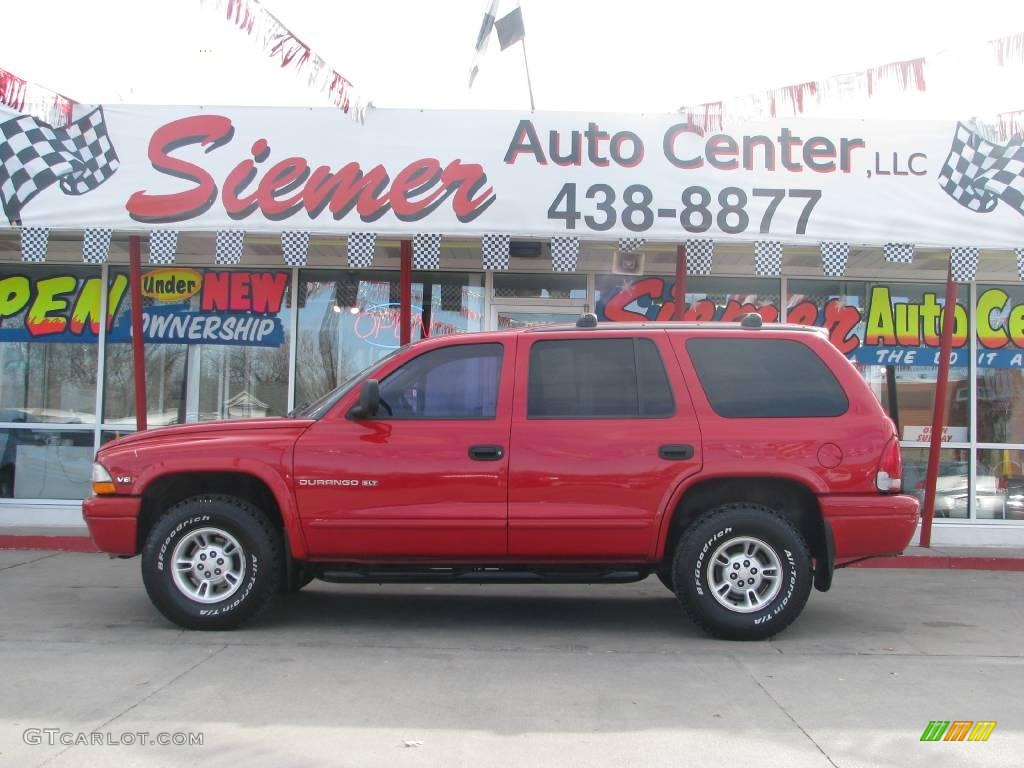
x=340, y=483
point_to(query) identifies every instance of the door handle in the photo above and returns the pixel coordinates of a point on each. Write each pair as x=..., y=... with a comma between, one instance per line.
x=486, y=452
x=676, y=452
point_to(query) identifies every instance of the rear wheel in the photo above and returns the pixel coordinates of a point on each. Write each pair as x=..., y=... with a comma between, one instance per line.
x=211, y=562
x=742, y=572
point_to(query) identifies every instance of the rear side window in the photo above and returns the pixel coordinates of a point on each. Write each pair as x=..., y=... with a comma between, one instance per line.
x=765, y=378
x=597, y=379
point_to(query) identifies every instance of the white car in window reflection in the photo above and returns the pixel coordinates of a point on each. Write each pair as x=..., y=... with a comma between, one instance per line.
x=951, y=491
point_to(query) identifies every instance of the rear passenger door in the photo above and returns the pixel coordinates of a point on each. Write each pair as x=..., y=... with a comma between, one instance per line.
x=602, y=433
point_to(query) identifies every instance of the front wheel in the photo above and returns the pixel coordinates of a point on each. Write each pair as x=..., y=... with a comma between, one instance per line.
x=211, y=562
x=742, y=572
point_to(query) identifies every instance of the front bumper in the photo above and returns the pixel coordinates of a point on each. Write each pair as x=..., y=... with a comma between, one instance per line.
x=112, y=522
x=874, y=524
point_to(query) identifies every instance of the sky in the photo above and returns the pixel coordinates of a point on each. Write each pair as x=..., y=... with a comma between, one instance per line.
x=599, y=56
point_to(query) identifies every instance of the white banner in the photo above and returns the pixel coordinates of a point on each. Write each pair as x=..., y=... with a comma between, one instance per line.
x=595, y=176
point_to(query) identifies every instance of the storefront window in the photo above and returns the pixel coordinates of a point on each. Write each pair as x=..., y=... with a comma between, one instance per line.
x=999, y=488
x=45, y=464
x=951, y=489
x=49, y=320
x=551, y=285
x=349, y=319
x=216, y=347
x=625, y=298
x=1000, y=369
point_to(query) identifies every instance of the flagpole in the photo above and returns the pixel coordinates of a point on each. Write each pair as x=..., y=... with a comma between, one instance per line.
x=529, y=84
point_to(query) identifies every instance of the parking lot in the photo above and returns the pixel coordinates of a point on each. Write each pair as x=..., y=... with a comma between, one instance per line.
x=505, y=675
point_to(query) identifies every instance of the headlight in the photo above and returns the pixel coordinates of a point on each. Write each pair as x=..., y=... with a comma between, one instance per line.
x=102, y=482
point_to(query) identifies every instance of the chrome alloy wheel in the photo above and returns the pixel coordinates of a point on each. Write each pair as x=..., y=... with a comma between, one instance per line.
x=209, y=565
x=744, y=574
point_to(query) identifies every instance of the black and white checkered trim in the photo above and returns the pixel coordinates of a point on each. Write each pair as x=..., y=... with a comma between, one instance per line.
x=295, y=247
x=96, y=245
x=163, y=246
x=360, y=249
x=229, y=247
x=426, y=251
x=699, y=254
x=899, y=253
x=963, y=263
x=34, y=155
x=34, y=241
x=631, y=244
x=768, y=258
x=565, y=253
x=979, y=174
x=494, y=252
x=1019, y=253
x=833, y=258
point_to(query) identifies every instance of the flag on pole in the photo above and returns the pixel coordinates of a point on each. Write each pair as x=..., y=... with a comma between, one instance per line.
x=509, y=28
x=482, y=37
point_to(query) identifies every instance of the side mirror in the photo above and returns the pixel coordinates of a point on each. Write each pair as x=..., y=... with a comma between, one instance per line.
x=369, y=400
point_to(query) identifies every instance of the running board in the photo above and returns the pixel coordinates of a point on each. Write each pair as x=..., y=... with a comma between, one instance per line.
x=352, y=574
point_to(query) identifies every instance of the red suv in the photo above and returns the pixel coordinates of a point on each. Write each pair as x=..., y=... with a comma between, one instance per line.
x=737, y=462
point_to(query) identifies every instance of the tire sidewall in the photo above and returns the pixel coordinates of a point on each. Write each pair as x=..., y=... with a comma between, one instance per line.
x=691, y=571
x=231, y=515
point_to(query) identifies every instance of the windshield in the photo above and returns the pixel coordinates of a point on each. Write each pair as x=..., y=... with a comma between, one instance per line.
x=322, y=405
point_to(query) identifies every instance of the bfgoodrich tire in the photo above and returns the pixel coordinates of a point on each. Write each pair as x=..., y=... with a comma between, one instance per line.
x=211, y=562
x=742, y=572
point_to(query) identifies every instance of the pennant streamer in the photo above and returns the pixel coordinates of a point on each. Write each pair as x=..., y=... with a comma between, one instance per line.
x=899, y=253
x=1019, y=253
x=34, y=241
x=426, y=251
x=699, y=253
x=494, y=249
x=163, y=246
x=22, y=96
x=768, y=258
x=278, y=42
x=631, y=244
x=360, y=249
x=963, y=264
x=229, y=247
x=96, y=245
x=294, y=248
x=565, y=253
x=833, y=258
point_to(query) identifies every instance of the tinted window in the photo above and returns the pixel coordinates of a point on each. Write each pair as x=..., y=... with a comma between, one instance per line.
x=772, y=378
x=597, y=378
x=456, y=382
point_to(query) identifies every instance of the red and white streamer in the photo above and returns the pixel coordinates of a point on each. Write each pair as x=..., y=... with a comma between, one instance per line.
x=1010, y=125
x=31, y=99
x=1009, y=49
x=281, y=44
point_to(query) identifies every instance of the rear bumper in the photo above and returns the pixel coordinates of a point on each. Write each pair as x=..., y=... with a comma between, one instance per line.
x=875, y=524
x=112, y=522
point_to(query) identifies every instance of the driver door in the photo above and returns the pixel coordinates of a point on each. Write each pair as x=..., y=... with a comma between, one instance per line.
x=427, y=476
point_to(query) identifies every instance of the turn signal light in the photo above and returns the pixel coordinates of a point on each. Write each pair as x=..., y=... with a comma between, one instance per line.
x=102, y=482
x=890, y=468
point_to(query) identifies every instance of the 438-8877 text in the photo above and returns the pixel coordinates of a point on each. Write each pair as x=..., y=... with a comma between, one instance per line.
x=697, y=211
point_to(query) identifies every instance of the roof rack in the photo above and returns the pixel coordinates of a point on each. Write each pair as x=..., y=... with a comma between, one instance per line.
x=588, y=320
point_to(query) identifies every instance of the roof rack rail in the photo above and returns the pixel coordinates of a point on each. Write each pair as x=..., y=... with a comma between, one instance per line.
x=588, y=320
x=751, y=320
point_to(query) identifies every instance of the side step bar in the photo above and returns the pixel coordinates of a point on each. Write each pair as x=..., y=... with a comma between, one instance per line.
x=404, y=574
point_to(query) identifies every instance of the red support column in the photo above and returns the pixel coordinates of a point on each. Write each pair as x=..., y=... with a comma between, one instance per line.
x=941, y=384
x=138, y=342
x=680, y=282
x=405, y=294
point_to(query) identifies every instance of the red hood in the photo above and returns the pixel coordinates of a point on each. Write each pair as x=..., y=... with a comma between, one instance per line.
x=227, y=425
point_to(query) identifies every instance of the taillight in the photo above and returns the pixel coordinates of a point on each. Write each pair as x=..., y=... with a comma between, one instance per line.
x=890, y=468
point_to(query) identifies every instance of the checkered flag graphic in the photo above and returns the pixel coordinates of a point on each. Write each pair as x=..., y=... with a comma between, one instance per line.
x=768, y=258
x=1019, y=252
x=565, y=252
x=360, y=249
x=426, y=251
x=699, y=253
x=631, y=244
x=899, y=253
x=833, y=258
x=163, y=246
x=979, y=174
x=963, y=264
x=33, y=244
x=96, y=246
x=34, y=155
x=295, y=248
x=229, y=247
x=495, y=251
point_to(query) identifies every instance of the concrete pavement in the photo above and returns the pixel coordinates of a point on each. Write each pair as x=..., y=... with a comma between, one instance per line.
x=437, y=675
